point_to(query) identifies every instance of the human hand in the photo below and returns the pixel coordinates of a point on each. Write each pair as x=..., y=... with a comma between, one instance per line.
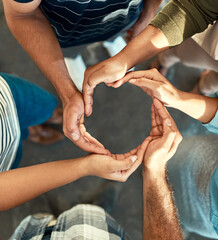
x=164, y=138
x=115, y=167
x=107, y=71
x=73, y=125
x=154, y=84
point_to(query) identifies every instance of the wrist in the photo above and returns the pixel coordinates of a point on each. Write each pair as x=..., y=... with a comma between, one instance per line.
x=154, y=172
x=67, y=95
x=83, y=166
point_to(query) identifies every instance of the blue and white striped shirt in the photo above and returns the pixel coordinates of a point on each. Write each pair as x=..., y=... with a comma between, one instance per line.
x=9, y=127
x=77, y=22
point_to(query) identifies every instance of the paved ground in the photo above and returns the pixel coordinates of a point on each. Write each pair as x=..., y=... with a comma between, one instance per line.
x=121, y=120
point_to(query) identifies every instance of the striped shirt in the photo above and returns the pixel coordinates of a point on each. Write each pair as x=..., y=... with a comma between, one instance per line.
x=77, y=22
x=9, y=127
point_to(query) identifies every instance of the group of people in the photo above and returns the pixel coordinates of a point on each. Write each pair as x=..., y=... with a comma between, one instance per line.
x=178, y=194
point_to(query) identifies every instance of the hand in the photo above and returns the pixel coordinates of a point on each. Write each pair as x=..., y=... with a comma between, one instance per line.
x=164, y=138
x=154, y=84
x=116, y=167
x=74, y=129
x=107, y=71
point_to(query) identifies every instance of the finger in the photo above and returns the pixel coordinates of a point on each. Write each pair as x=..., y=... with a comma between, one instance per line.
x=118, y=83
x=120, y=165
x=175, y=145
x=145, y=83
x=88, y=98
x=163, y=113
x=93, y=140
x=90, y=147
x=168, y=135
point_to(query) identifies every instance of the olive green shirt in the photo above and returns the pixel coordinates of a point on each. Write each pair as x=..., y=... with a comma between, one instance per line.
x=181, y=19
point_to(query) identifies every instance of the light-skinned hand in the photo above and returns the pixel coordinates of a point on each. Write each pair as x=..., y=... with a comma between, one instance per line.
x=154, y=84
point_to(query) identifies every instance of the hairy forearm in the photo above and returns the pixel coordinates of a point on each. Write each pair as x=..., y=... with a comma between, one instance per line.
x=36, y=36
x=160, y=220
x=147, y=44
x=197, y=106
x=21, y=185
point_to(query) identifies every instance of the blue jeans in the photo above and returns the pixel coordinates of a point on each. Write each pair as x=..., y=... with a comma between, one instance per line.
x=193, y=174
x=34, y=106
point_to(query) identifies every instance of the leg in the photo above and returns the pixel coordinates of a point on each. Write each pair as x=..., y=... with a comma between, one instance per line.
x=34, y=105
x=190, y=175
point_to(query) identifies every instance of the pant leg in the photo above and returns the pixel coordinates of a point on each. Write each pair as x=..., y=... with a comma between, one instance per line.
x=34, y=104
x=190, y=54
x=190, y=173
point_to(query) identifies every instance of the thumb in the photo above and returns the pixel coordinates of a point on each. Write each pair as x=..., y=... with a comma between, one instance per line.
x=168, y=134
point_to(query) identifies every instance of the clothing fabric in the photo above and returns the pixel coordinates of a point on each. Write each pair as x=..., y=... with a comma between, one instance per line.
x=9, y=125
x=77, y=22
x=33, y=105
x=208, y=40
x=181, y=19
x=193, y=175
x=87, y=222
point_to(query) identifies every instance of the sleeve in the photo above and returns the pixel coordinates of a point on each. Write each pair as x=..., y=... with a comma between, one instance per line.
x=181, y=19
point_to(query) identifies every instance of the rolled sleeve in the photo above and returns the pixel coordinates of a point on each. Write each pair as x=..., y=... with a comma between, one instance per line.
x=212, y=126
x=181, y=19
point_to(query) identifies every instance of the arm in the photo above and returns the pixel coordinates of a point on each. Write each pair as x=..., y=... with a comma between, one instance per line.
x=160, y=219
x=177, y=21
x=153, y=83
x=149, y=10
x=33, y=31
x=21, y=185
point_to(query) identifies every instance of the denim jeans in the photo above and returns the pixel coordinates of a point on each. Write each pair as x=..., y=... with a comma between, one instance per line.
x=193, y=174
x=34, y=106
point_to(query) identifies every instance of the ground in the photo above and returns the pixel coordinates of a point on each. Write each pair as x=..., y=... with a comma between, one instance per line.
x=120, y=120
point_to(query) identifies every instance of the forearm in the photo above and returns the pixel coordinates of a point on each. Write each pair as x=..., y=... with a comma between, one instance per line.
x=36, y=36
x=21, y=185
x=160, y=220
x=197, y=106
x=150, y=8
x=147, y=44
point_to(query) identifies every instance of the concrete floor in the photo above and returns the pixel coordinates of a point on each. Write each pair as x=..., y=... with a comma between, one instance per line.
x=120, y=120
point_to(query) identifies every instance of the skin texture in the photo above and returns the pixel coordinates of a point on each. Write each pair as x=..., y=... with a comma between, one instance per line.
x=156, y=85
x=33, y=31
x=147, y=44
x=160, y=219
x=147, y=14
x=21, y=185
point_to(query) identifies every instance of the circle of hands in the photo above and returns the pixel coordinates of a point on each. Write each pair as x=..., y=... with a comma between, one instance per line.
x=155, y=150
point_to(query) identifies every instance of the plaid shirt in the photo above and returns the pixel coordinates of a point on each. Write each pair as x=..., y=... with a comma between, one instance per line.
x=82, y=222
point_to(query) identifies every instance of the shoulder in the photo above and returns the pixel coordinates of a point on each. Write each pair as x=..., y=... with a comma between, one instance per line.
x=21, y=6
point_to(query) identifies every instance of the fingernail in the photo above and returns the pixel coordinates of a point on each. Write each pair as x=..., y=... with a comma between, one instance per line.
x=133, y=158
x=75, y=136
x=168, y=122
x=132, y=81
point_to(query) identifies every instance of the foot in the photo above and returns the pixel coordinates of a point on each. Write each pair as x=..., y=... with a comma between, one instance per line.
x=156, y=64
x=57, y=117
x=43, y=134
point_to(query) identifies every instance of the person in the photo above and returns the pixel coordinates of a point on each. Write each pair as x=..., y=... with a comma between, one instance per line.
x=176, y=22
x=193, y=172
x=203, y=108
x=92, y=222
x=25, y=110
x=24, y=104
x=42, y=26
x=199, y=51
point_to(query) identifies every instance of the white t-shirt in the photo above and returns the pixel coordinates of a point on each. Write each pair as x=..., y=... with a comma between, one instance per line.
x=9, y=127
x=208, y=40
